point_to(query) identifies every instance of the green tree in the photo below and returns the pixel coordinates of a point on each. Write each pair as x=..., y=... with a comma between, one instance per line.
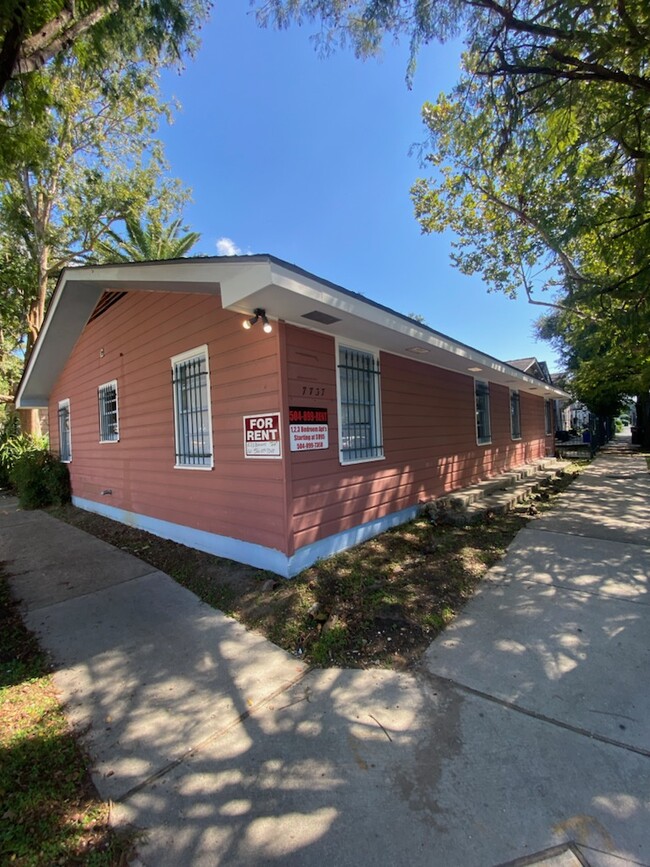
x=538, y=160
x=147, y=239
x=94, y=161
x=33, y=32
x=91, y=160
x=566, y=40
x=545, y=184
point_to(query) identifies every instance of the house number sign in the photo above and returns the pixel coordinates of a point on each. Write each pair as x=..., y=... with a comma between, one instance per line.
x=308, y=428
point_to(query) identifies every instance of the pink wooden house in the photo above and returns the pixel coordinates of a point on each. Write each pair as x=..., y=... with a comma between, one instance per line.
x=324, y=422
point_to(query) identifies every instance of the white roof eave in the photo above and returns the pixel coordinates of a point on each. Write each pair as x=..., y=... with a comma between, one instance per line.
x=246, y=282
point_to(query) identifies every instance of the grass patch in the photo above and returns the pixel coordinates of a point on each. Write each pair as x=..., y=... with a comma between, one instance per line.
x=379, y=604
x=50, y=812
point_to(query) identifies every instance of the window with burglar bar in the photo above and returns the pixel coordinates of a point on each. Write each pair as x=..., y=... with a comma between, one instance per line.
x=192, y=414
x=548, y=417
x=360, y=408
x=515, y=415
x=482, y=397
x=109, y=431
x=65, y=443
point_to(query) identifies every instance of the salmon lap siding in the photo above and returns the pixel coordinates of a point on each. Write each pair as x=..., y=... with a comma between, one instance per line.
x=429, y=434
x=428, y=426
x=133, y=344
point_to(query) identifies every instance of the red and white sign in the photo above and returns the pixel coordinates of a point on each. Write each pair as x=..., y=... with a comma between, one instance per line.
x=308, y=428
x=262, y=436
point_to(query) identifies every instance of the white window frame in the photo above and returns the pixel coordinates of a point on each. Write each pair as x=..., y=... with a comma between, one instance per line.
x=376, y=419
x=548, y=417
x=101, y=394
x=485, y=440
x=514, y=395
x=65, y=404
x=197, y=352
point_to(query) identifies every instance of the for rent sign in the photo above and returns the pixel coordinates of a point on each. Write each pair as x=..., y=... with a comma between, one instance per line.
x=262, y=436
x=308, y=428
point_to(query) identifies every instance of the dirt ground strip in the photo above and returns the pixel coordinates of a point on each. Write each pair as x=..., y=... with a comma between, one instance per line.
x=379, y=604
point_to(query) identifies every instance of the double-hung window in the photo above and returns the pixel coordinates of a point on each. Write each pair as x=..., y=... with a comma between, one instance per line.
x=515, y=415
x=360, y=432
x=482, y=399
x=192, y=412
x=109, y=431
x=65, y=442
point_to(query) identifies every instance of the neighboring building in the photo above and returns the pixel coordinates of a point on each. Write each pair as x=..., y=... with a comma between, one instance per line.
x=539, y=369
x=279, y=444
x=576, y=416
x=533, y=367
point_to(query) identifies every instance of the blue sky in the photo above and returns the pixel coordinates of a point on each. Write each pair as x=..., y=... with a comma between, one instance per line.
x=308, y=159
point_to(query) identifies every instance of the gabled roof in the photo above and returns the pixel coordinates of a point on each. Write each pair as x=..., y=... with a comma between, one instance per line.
x=533, y=367
x=285, y=291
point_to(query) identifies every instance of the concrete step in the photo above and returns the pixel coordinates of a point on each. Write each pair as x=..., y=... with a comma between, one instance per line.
x=498, y=494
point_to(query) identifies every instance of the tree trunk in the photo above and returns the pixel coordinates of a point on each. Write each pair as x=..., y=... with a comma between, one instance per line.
x=30, y=421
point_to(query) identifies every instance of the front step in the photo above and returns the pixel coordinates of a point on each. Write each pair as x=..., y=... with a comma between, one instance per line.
x=499, y=494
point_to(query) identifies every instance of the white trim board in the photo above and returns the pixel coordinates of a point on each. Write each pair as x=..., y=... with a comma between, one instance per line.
x=248, y=552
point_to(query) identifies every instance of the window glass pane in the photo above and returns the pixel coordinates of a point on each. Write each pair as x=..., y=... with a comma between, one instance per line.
x=482, y=393
x=64, y=432
x=108, y=421
x=515, y=415
x=192, y=412
x=548, y=415
x=360, y=408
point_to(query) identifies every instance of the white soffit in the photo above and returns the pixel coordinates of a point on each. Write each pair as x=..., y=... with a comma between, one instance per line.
x=291, y=296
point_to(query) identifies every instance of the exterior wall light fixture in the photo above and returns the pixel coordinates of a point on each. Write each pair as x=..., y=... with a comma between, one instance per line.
x=258, y=313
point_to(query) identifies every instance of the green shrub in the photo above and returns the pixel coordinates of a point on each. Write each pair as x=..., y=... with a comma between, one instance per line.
x=40, y=480
x=14, y=445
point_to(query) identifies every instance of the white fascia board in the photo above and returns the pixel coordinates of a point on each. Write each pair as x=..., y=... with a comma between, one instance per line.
x=67, y=314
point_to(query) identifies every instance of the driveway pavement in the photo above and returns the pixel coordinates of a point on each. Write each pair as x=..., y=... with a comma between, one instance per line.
x=523, y=738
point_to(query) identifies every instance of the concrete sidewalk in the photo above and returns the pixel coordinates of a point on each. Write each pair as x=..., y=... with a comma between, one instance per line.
x=524, y=737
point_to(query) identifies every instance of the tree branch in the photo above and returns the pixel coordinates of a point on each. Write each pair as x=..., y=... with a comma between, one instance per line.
x=568, y=265
x=522, y=26
x=579, y=70
x=57, y=35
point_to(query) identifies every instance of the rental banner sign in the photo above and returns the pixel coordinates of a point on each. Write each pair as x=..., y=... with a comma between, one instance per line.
x=308, y=428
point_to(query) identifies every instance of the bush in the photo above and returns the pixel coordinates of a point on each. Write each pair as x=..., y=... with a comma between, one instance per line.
x=40, y=480
x=14, y=445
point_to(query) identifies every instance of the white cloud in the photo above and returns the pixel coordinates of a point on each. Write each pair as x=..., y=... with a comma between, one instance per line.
x=227, y=247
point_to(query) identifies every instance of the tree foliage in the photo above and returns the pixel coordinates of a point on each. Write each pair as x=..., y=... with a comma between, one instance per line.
x=566, y=40
x=147, y=239
x=79, y=112
x=33, y=32
x=92, y=161
x=538, y=160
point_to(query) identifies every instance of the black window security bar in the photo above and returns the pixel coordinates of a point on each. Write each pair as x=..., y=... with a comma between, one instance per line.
x=515, y=415
x=64, y=432
x=548, y=417
x=190, y=383
x=482, y=411
x=108, y=422
x=360, y=423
